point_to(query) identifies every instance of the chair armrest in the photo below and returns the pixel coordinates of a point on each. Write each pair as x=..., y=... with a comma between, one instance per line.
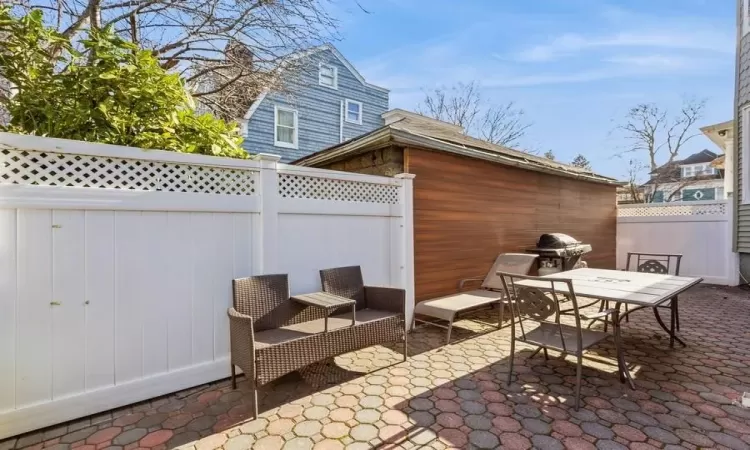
x=600, y=314
x=461, y=283
x=385, y=298
x=242, y=338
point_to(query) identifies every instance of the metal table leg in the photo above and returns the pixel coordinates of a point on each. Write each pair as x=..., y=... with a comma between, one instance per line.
x=621, y=364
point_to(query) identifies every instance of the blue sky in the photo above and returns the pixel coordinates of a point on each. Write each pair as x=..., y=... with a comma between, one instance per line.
x=574, y=66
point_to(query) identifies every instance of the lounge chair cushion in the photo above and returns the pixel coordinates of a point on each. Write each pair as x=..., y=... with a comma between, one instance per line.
x=518, y=263
x=446, y=307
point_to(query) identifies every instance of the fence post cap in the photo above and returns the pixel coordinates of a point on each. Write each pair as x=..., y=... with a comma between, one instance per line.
x=407, y=176
x=268, y=157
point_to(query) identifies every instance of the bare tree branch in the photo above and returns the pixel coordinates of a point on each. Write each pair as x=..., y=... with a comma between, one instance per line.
x=464, y=105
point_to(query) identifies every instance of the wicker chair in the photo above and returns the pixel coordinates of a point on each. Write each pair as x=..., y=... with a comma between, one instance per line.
x=380, y=311
x=537, y=312
x=271, y=335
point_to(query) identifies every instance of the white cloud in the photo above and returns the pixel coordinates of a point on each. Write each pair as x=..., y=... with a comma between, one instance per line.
x=571, y=44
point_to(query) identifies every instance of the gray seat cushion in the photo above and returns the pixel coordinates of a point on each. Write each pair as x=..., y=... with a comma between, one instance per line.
x=548, y=335
x=446, y=307
x=288, y=333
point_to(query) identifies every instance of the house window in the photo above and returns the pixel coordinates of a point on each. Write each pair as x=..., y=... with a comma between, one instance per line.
x=698, y=170
x=328, y=76
x=285, y=127
x=354, y=112
x=658, y=197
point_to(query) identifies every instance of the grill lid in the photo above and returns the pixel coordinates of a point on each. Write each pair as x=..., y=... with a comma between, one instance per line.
x=556, y=240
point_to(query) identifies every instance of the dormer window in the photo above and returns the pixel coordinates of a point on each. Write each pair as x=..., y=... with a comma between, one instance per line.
x=698, y=170
x=328, y=76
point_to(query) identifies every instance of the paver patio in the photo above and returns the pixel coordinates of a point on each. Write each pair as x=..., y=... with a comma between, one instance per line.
x=456, y=396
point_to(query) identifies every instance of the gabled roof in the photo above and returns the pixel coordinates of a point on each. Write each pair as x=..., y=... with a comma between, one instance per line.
x=703, y=156
x=310, y=52
x=670, y=173
x=414, y=130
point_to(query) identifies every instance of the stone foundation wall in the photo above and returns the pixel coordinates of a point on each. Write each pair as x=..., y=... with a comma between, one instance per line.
x=385, y=161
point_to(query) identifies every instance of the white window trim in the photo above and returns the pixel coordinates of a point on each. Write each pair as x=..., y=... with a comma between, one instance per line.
x=276, y=142
x=346, y=111
x=335, y=75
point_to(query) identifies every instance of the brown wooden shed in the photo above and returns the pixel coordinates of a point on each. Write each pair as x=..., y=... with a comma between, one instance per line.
x=473, y=199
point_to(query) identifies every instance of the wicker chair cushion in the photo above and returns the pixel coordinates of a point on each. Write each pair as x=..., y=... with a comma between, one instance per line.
x=364, y=316
x=516, y=263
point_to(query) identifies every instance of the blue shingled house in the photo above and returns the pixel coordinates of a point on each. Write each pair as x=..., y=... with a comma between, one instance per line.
x=327, y=102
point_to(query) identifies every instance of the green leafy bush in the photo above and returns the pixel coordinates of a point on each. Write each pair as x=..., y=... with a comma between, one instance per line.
x=110, y=92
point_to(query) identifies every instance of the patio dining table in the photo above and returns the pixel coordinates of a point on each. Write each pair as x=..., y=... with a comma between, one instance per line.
x=641, y=290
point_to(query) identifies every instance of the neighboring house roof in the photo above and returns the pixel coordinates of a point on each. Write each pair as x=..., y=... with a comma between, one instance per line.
x=407, y=128
x=310, y=52
x=670, y=173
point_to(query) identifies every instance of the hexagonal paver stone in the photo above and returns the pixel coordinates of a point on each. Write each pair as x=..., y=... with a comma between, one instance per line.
x=728, y=441
x=211, y=442
x=253, y=426
x=421, y=404
x=341, y=414
x=694, y=437
x=299, y=443
x=527, y=411
x=182, y=439
x=269, y=443
x=701, y=423
x=367, y=416
x=421, y=436
x=483, y=439
x=280, y=427
x=503, y=423
x=514, y=441
x=453, y=438
x=323, y=399
x=315, y=413
x=364, y=432
x=371, y=401
x=152, y=420
x=335, y=430
x=629, y=433
x=156, y=438
x=597, y=430
x=241, y=442
x=201, y=423
x=535, y=426
x=641, y=418
x=472, y=407
x=130, y=436
x=422, y=418
x=546, y=442
x=609, y=445
x=661, y=435
x=716, y=398
x=329, y=444
x=290, y=411
x=307, y=428
x=477, y=422
x=394, y=417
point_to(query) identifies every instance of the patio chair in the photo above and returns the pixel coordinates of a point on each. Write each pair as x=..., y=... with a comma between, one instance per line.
x=380, y=312
x=270, y=335
x=664, y=264
x=534, y=307
x=490, y=293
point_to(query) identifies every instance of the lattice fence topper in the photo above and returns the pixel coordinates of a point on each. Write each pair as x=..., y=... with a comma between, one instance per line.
x=299, y=186
x=674, y=209
x=64, y=169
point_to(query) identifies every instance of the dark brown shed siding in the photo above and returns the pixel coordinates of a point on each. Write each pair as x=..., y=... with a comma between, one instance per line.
x=466, y=211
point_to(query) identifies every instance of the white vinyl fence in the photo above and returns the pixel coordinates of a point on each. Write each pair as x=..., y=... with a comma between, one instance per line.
x=700, y=231
x=116, y=263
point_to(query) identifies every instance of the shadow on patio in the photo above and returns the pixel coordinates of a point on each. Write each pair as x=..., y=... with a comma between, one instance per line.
x=455, y=396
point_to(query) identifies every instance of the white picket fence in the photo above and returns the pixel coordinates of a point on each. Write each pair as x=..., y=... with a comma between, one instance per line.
x=700, y=231
x=115, y=263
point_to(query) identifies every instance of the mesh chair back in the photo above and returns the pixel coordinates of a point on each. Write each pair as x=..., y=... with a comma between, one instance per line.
x=661, y=263
x=542, y=304
x=515, y=263
x=346, y=282
x=265, y=298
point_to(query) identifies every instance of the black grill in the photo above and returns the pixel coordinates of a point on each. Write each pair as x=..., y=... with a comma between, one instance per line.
x=559, y=251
